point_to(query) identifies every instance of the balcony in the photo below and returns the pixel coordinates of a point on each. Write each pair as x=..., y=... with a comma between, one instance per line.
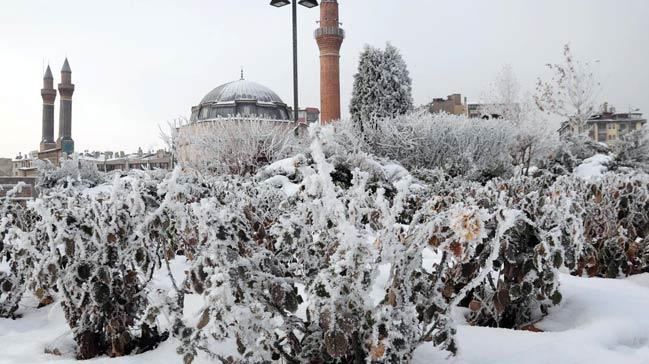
x=324, y=31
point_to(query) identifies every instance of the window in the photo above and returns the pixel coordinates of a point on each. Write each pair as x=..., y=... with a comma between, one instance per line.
x=247, y=110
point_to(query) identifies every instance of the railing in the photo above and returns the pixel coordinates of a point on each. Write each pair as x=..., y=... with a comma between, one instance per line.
x=329, y=31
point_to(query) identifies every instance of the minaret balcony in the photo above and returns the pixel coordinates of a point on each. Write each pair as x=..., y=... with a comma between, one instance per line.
x=329, y=31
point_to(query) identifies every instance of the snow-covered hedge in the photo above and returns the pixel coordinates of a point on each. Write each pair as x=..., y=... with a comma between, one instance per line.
x=324, y=256
x=471, y=148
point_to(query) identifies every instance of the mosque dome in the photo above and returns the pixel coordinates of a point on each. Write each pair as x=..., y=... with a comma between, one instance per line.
x=241, y=98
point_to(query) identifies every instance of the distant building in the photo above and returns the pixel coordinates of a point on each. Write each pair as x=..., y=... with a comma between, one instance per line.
x=25, y=166
x=6, y=167
x=309, y=115
x=486, y=110
x=451, y=105
x=110, y=161
x=608, y=125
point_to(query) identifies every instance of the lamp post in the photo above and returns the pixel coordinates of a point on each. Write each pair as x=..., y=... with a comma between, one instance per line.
x=308, y=4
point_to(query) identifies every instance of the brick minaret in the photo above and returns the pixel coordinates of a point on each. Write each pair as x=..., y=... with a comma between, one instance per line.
x=329, y=37
x=66, y=89
x=48, y=93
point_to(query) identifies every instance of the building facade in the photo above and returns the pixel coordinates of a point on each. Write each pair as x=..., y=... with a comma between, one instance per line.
x=608, y=125
x=110, y=161
x=451, y=105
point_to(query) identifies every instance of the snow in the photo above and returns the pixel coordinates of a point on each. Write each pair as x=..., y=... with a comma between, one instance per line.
x=593, y=167
x=285, y=166
x=599, y=321
x=288, y=188
x=380, y=285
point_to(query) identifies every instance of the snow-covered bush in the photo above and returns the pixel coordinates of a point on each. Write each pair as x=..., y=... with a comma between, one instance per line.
x=16, y=257
x=632, y=151
x=234, y=145
x=516, y=274
x=535, y=136
x=102, y=260
x=382, y=87
x=616, y=225
x=351, y=230
x=474, y=149
x=248, y=295
x=571, y=151
x=525, y=283
x=71, y=171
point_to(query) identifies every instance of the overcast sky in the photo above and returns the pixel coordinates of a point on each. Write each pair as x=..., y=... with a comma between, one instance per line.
x=138, y=64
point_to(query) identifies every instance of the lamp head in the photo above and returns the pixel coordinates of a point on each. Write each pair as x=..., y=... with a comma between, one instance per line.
x=279, y=3
x=308, y=3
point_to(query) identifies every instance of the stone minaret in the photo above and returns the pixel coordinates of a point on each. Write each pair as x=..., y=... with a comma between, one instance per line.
x=66, y=89
x=48, y=93
x=329, y=37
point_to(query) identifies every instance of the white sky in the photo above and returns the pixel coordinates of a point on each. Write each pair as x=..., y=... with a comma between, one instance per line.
x=138, y=64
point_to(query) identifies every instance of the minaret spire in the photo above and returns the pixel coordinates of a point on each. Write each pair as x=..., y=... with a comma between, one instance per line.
x=66, y=89
x=48, y=93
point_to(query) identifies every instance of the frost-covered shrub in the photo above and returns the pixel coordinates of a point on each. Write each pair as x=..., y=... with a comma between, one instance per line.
x=525, y=282
x=15, y=256
x=475, y=149
x=571, y=151
x=616, y=225
x=249, y=295
x=632, y=151
x=234, y=145
x=514, y=271
x=102, y=261
x=24, y=250
x=71, y=171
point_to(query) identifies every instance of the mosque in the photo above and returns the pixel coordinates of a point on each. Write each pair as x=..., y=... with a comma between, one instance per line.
x=247, y=99
x=241, y=98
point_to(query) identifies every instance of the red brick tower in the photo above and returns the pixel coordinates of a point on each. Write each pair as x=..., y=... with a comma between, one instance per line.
x=329, y=37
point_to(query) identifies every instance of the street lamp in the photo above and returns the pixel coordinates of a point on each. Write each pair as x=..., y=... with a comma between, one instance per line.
x=308, y=4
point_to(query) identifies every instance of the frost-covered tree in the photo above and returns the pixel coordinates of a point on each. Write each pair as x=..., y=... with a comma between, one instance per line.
x=382, y=86
x=535, y=136
x=571, y=92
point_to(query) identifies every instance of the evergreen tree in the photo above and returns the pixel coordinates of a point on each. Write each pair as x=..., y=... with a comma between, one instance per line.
x=382, y=86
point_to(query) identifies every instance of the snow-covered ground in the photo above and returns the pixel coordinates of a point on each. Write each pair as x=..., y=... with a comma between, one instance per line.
x=599, y=321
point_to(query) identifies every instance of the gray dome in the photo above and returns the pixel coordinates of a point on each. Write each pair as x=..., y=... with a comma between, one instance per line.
x=241, y=90
x=241, y=98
